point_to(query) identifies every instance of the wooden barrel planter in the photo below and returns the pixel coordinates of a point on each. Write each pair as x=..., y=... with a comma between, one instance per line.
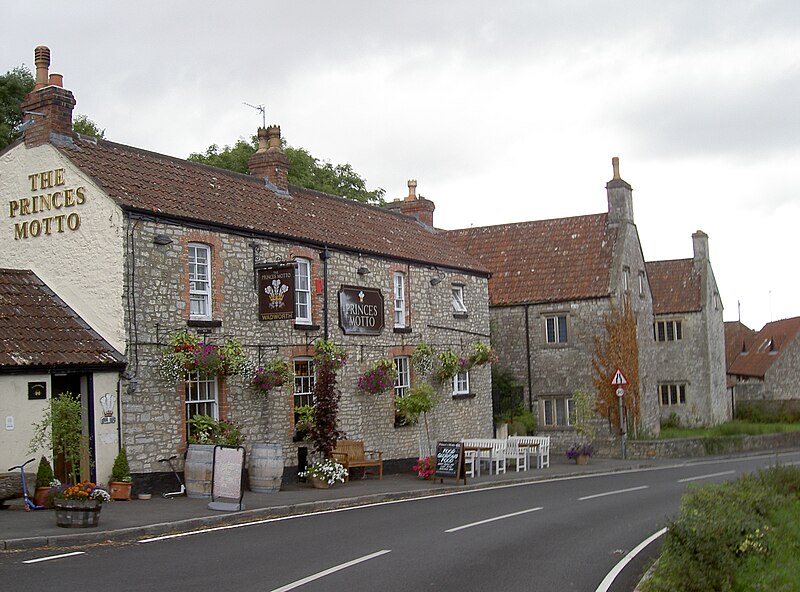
x=266, y=467
x=77, y=513
x=197, y=470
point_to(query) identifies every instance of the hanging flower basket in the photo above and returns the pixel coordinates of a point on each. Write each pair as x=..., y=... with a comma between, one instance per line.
x=187, y=353
x=450, y=364
x=275, y=374
x=379, y=378
x=422, y=359
x=480, y=354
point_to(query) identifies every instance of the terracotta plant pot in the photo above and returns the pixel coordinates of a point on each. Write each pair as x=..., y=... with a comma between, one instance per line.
x=40, y=496
x=582, y=459
x=319, y=483
x=120, y=490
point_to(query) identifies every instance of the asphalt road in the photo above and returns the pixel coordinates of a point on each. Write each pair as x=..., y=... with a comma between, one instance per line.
x=560, y=535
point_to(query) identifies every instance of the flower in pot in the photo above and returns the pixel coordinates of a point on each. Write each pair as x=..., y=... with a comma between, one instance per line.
x=45, y=479
x=79, y=505
x=580, y=453
x=121, y=481
x=324, y=473
x=275, y=374
x=303, y=422
x=426, y=467
x=204, y=429
x=380, y=377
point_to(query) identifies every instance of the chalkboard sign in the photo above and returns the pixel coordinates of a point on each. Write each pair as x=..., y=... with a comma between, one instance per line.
x=450, y=461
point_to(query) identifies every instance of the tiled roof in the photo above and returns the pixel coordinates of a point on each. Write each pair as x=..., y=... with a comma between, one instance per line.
x=150, y=182
x=766, y=347
x=37, y=329
x=738, y=338
x=675, y=286
x=543, y=261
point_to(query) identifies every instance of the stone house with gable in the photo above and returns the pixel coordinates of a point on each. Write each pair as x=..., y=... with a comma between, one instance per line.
x=689, y=339
x=764, y=366
x=552, y=283
x=142, y=246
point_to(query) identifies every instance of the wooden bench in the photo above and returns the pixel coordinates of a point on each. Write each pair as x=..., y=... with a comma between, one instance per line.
x=351, y=454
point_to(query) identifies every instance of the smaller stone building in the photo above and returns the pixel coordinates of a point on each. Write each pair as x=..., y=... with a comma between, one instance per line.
x=764, y=366
x=689, y=339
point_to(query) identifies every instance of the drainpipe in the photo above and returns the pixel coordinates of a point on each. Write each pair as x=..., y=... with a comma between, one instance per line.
x=325, y=255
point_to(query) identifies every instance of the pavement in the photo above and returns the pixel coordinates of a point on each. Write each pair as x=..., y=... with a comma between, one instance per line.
x=135, y=519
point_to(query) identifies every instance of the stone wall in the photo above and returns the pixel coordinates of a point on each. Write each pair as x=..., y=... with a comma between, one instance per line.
x=697, y=447
x=157, y=307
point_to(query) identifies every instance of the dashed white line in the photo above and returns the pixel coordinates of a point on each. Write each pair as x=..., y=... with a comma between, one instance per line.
x=329, y=571
x=588, y=497
x=503, y=517
x=709, y=476
x=51, y=557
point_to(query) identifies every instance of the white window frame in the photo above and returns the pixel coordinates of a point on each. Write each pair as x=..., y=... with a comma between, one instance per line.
x=302, y=292
x=554, y=332
x=675, y=393
x=626, y=275
x=641, y=283
x=459, y=306
x=461, y=383
x=199, y=281
x=403, y=381
x=399, y=299
x=202, y=397
x=303, y=381
x=670, y=330
x=557, y=412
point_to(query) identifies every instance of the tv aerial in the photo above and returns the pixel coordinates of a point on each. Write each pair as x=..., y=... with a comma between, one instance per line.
x=262, y=110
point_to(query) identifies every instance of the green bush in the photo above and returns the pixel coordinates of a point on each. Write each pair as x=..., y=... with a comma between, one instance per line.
x=673, y=421
x=44, y=473
x=724, y=532
x=120, y=471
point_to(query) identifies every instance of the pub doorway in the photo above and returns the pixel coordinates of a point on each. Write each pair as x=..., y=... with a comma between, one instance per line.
x=77, y=384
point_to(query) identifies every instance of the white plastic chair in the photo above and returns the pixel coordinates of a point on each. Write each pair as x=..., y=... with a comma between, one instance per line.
x=517, y=454
x=472, y=465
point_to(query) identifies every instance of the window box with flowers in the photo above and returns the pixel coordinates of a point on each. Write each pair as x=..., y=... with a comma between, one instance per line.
x=274, y=374
x=187, y=353
x=380, y=377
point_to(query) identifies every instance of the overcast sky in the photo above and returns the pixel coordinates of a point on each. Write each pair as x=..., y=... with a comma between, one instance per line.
x=503, y=111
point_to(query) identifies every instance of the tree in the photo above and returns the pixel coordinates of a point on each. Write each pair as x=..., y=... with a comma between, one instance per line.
x=86, y=127
x=304, y=170
x=14, y=85
x=620, y=349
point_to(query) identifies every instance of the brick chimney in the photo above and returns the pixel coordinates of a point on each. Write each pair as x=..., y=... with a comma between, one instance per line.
x=413, y=205
x=48, y=107
x=620, y=197
x=270, y=161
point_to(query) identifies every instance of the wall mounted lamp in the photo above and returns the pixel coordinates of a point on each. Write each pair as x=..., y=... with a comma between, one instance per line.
x=162, y=239
x=363, y=270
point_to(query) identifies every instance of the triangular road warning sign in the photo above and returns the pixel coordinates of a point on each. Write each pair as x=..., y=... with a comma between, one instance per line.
x=619, y=378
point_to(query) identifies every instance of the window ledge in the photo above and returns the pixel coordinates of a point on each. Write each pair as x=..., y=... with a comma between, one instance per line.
x=402, y=329
x=203, y=324
x=303, y=327
x=457, y=396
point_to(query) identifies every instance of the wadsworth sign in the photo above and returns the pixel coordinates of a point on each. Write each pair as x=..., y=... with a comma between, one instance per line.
x=276, y=293
x=360, y=310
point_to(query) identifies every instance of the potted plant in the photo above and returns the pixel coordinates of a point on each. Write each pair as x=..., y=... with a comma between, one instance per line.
x=426, y=467
x=380, y=377
x=303, y=422
x=45, y=479
x=274, y=374
x=205, y=432
x=450, y=364
x=481, y=354
x=580, y=453
x=60, y=430
x=120, y=485
x=422, y=359
x=324, y=473
x=78, y=506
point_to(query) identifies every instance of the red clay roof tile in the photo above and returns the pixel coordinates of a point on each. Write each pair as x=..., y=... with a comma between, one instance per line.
x=766, y=347
x=675, y=286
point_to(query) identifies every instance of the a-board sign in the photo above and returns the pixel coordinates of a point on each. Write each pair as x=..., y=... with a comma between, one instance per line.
x=450, y=461
x=226, y=478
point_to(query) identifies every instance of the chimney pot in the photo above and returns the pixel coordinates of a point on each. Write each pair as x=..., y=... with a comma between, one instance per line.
x=615, y=166
x=412, y=190
x=41, y=58
x=274, y=137
x=56, y=80
x=262, y=140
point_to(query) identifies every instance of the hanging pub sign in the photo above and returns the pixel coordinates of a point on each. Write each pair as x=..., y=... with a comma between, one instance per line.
x=276, y=293
x=360, y=310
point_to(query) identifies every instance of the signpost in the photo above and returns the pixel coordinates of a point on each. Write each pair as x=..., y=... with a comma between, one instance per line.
x=619, y=380
x=450, y=461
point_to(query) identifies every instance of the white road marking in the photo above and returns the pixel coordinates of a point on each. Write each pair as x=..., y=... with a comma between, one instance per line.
x=329, y=571
x=705, y=476
x=588, y=497
x=609, y=579
x=55, y=557
x=492, y=520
